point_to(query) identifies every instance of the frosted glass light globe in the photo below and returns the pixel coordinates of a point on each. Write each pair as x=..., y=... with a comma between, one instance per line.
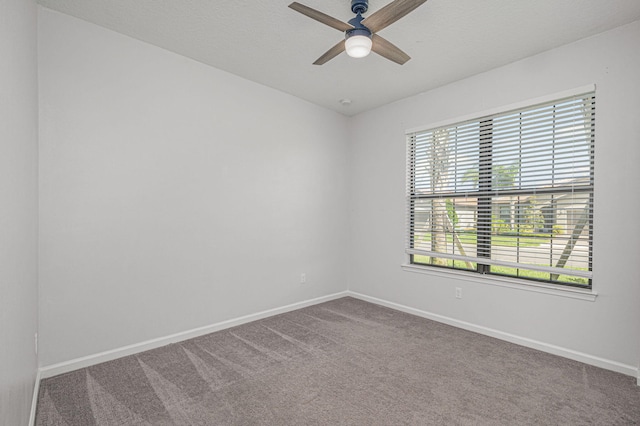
x=358, y=46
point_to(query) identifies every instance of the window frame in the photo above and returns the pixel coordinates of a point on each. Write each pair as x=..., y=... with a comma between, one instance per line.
x=484, y=221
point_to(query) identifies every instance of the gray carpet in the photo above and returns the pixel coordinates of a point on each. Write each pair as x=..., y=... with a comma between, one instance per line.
x=344, y=362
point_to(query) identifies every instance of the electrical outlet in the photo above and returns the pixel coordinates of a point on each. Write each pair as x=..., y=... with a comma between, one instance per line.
x=458, y=293
x=303, y=278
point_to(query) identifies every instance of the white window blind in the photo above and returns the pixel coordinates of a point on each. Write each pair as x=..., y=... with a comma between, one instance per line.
x=507, y=194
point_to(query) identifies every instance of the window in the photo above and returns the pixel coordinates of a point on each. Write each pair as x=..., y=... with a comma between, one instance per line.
x=508, y=194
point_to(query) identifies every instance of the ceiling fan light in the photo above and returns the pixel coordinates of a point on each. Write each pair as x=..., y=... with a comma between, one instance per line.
x=358, y=45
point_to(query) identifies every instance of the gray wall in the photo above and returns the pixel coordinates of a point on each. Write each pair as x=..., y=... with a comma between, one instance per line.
x=174, y=195
x=607, y=328
x=18, y=211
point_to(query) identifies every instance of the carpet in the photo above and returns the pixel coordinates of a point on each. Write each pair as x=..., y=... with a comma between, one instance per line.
x=343, y=362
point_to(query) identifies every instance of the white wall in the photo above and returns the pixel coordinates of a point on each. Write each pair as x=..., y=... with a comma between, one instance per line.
x=175, y=195
x=607, y=328
x=18, y=208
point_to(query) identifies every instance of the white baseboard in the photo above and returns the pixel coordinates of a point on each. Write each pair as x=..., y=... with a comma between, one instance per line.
x=628, y=370
x=75, y=364
x=34, y=399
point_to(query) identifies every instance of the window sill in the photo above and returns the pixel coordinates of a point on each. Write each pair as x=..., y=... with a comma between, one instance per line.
x=573, y=293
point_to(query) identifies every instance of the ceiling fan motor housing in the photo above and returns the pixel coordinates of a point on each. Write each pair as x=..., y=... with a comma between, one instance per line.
x=359, y=6
x=364, y=31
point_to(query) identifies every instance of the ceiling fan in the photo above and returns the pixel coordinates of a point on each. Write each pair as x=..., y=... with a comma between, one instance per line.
x=361, y=33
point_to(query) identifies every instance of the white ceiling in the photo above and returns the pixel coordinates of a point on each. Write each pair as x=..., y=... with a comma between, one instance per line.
x=266, y=42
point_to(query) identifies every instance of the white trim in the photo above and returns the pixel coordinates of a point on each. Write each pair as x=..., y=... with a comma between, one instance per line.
x=526, y=285
x=34, y=399
x=86, y=361
x=505, y=108
x=53, y=370
x=607, y=364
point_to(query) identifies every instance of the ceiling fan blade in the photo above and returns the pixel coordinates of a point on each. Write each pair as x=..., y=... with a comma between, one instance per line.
x=389, y=14
x=384, y=48
x=330, y=54
x=320, y=17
